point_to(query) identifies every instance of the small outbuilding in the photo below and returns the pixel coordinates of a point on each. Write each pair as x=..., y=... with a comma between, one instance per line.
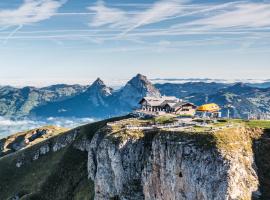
x=181, y=108
x=211, y=108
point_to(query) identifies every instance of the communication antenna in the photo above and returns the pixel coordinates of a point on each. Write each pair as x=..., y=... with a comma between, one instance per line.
x=229, y=106
x=206, y=98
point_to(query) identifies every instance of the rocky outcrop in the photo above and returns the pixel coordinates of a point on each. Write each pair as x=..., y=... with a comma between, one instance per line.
x=54, y=144
x=181, y=170
x=135, y=89
x=163, y=165
x=116, y=167
x=26, y=139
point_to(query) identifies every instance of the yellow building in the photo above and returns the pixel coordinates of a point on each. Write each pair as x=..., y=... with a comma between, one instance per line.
x=211, y=107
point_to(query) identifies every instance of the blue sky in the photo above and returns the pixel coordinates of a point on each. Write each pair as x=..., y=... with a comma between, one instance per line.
x=74, y=41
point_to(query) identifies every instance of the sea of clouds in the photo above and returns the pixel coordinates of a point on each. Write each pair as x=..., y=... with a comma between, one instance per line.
x=11, y=126
x=207, y=80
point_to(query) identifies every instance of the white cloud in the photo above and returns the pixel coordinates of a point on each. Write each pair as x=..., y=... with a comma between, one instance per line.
x=249, y=15
x=105, y=15
x=8, y=126
x=31, y=11
x=128, y=21
x=196, y=18
x=158, y=12
x=228, y=22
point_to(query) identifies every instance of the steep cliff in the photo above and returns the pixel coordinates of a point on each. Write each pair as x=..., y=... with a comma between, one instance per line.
x=172, y=165
x=112, y=160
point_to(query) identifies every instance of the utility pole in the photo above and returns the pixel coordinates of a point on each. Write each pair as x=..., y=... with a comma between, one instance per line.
x=229, y=106
x=206, y=98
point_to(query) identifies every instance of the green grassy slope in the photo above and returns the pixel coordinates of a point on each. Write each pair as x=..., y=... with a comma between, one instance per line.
x=56, y=175
x=28, y=178
x=67, y=180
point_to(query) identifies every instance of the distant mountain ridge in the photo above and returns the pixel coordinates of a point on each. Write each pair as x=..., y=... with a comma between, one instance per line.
x=100, y=101
x=18, y=102
x=243, y=99
x=186, y=89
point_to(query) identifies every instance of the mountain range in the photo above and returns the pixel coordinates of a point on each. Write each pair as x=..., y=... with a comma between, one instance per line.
x=18, y=102
x=100, y=101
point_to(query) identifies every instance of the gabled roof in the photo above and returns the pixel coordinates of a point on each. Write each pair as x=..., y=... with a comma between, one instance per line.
x=179, y=104
x=162, y=98
x=158, y=101
x=155, y=103
x=170, y=102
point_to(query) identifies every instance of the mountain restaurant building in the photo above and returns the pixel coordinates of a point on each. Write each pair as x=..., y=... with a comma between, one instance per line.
x=167, y=104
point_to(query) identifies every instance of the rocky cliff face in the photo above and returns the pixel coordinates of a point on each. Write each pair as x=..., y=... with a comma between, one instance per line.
x=187, y=171
x=133, y=164
x=166, y=165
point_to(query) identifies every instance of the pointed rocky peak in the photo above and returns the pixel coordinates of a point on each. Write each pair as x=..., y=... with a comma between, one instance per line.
x=135, y=89
x=99, y=87
x=98, y=82
x=139, y=79
x=142, y=86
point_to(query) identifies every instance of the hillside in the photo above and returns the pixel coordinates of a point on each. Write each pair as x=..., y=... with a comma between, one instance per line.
x=187, y=89
x=26, y=139
x=92, y=102
x=110, y=160
x=18, y=102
